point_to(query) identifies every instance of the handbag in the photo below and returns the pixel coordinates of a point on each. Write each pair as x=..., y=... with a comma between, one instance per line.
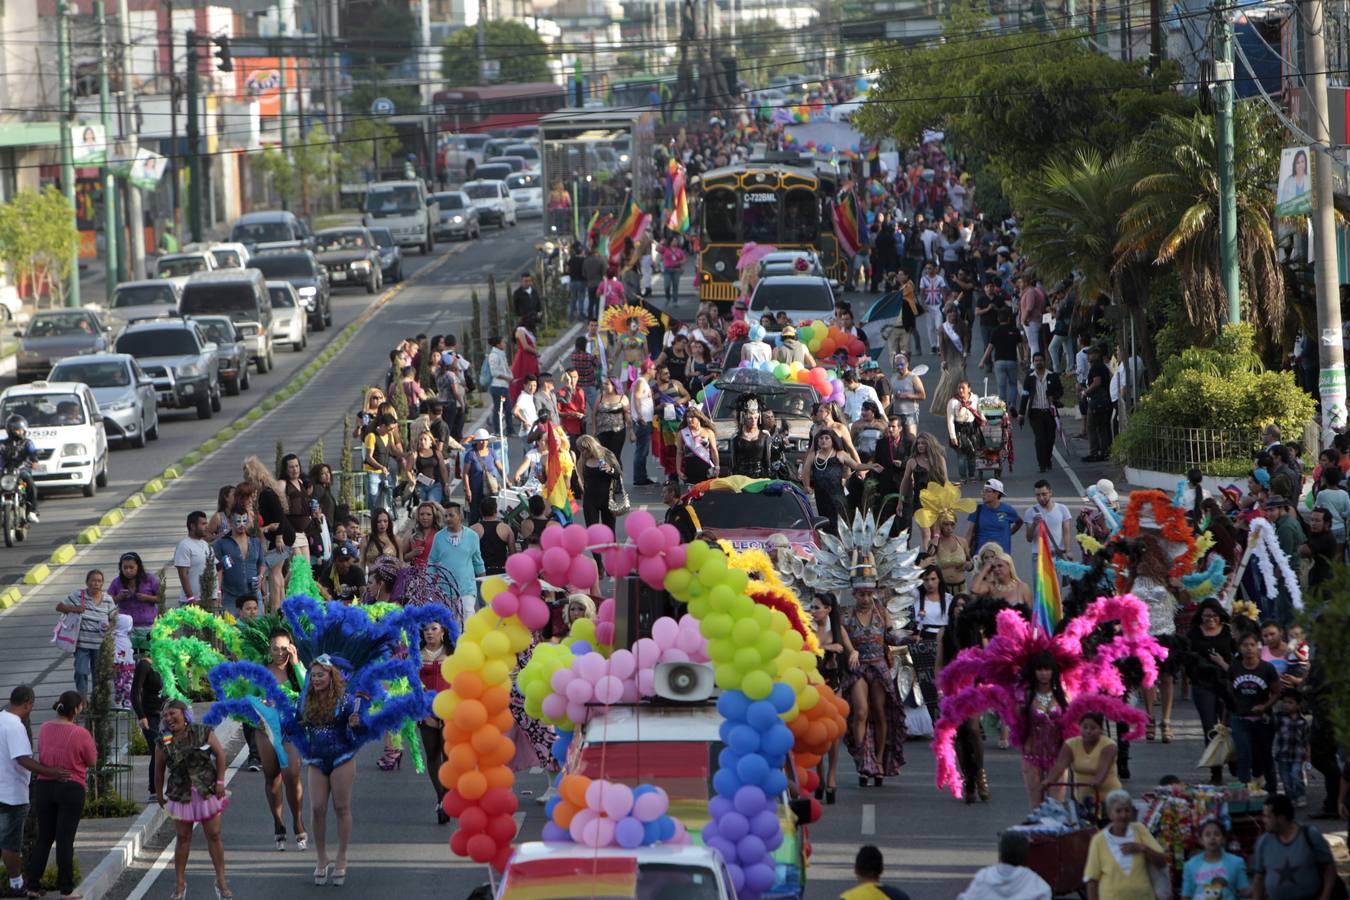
x=67, y=632
x=1220, y=749
x=619, y=502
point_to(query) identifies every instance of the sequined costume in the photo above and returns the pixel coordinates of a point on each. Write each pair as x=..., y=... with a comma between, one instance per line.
x=328, y=746
x=1043, y=735
x=870, y=641
x=1162, y=606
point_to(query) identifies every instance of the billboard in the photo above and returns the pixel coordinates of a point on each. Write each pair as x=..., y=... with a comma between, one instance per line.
x=1294, y=197
x=260, y=79
x=90, y=144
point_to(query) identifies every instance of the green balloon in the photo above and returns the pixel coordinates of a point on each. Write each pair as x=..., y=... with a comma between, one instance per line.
x=745, y=632
x=805, y=334
x=769, y=645
x=726, y=675
x=742, y=607
x=780, y=371
x=757, y=685
x=717, y=625
x=747, y=659
x=721, y=598
x=721, y=649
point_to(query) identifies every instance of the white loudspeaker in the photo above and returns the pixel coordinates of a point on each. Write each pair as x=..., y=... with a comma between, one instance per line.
x=687, y=682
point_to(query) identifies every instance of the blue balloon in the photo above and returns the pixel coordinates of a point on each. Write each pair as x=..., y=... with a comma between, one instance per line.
x=651, y=832
x=762, y=716
x=643, y=789
x=782, y=697
x=728, y=758
x=752, y=769
x=725, y=782
x=764, y=823
x=719, y=806
x=724, y=847
x=733, y=704
x=581, y=648
x=774, y=783
x=554, y=832
x=776, y=742
x=732, y=827
x=667, y=827
x=551, y=805
x=737, y=875
x=748, y=800
x=759, y=877
x=774, y=841
x=750, y=850
x=743, y=739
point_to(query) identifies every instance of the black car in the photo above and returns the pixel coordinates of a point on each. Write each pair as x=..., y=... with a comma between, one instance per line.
x=271, y=230
x=306, y=274
x=351, y=257
x=391, y=254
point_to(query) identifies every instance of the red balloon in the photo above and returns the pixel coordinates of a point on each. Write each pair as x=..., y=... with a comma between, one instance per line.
x=501, y=859
x=499, y=802
x=473, y=820
x=827, y=347
x=502, y=829
x=459, y=843
x=816, y=810
x=454, y=804
x=811, y=781
x=855, y=347
x=482, y=848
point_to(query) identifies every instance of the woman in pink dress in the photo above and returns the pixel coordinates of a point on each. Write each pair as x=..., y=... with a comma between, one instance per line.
x=526, y=360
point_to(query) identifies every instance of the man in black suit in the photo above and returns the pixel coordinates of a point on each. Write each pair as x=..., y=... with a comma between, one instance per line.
x=1041, y=393
x=525, y=299
x=893, y=451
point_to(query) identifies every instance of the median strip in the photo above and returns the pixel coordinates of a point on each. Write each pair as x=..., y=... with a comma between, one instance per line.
x=135, y=501
x=62, y=555
x=153, y=486
x=37, y=574
x=9, y=596
x=112, y=518
x=89, y=535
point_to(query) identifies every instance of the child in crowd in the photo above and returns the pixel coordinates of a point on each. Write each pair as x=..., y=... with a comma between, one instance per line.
x=1291, y=746
x=1213, y=873
x=124, y=662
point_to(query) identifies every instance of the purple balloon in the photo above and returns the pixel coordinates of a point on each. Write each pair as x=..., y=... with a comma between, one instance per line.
x=719, y=806
x=750, y=850
x=759, y=878
x=629, y=832
x=724, y=847
x=555, y=832
x=737, y=877
x=773, y=841
x=764, y=824
x=733, y=826
x=749, y=800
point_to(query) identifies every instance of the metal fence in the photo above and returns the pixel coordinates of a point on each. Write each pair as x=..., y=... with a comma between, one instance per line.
x=1177, y=448
x=111, y=777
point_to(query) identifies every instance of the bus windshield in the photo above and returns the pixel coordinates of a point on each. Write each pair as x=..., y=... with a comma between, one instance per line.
x=719, y=215
x=759, y=217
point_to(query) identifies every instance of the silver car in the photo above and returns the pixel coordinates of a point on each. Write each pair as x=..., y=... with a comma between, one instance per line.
x=150, y=299
x=125, y=394
x=54, y=334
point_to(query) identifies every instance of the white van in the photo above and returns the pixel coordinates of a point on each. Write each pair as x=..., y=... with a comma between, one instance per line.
x=65, y=425
x=405, y=208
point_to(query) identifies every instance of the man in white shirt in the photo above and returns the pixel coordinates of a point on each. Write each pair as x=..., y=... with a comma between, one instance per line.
x=1058, y=523
x=932, y=290
x=643, y=408
x=17, y=765
x=856, y=394
x=500, y=368
x=1009, y=879
x=190, y=558
x=929, y=239
x=525, y=412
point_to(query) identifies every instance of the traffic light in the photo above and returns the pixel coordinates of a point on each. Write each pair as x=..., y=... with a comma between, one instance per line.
x=222, y=54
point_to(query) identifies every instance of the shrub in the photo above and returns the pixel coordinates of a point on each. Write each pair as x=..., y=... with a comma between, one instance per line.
x=48, y=882
x=1224, y=388
x=1326, y=621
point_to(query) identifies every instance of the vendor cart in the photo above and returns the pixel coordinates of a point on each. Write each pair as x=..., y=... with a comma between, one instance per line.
x=997, y=452
x=1060, y=859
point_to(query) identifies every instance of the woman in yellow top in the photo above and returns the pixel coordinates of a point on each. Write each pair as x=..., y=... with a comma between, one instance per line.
x=1091, y=756
x=953, y=556
x=1120, y=855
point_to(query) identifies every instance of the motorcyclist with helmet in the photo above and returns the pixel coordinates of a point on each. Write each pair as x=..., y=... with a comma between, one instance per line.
x=19, y=453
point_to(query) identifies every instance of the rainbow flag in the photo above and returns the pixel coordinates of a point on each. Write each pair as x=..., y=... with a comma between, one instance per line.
x=632, y=222
x=1046, y=610
x=678, y=217
x=571, y=876
x=558, y=473
x=845, y=215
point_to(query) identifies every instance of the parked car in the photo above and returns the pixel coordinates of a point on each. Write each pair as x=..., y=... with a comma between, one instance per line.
x=493, y=201
x=459, y=217
x=802, y=297
x=181, y=265
x=350, y=256
x=231, y=352
x=288, y=321
x=65, y=425
x=229, y=254
x=54, y=334
x=307, y=275
x=517, y=163
x=177, y=356
x=460, y=153
x=271, y=230
x=527, y=189
x=490, y=172
x=527, y=152
x=148, y=299
x=240, y=294
x=391, y=254
x=125, y=394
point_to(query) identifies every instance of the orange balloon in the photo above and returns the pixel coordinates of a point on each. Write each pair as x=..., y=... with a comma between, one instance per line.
x=495, y=699
x=499, y=777
x=462, y=757
x=484, y=739
x=454, y=734
x=468, y=685
x=447, y=775
x=817, y=736
x=501, y=753
x=470, y=715
x=503, y=721
x=573, y=789
x=472, y=785
x=563, y=813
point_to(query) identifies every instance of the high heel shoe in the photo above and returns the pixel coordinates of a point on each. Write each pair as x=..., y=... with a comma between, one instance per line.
x=339, y=877
x=1166, y=731
x=829, y=796
x=181, y=895
x=301, y=840
x=982, y=785
x=876, y=781
x=967, y=791
x=1151, y=732
x=391, y=760
x=321, y=873
x=820, y=792
x=281, y=840
x=862, y=781
x=224, y=893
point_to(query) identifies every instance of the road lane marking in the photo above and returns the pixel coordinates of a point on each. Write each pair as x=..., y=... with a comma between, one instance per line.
x=869, y=820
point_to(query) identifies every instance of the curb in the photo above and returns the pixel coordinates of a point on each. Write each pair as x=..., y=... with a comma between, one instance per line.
x=9, y=596
x=38, y=574
x=111, y=518
x=153, y=486
x=135, y=501
x=62, y=555
x=90, y=535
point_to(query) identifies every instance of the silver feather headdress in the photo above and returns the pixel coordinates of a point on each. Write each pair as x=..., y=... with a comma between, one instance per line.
x=863, y=555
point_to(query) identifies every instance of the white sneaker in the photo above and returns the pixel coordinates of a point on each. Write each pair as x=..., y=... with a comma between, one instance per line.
x=33, y=518
x=546, y=796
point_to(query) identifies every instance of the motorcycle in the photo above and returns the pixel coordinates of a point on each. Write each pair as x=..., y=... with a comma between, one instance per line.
x=13, y=506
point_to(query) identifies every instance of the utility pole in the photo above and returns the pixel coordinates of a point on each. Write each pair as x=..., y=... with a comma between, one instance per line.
x=67, y=151
x=112, y=275
x=1331, y=356
x=480, y=41
x=281, y=96
x=1223, y=120
x=194, y=158
x=135, y=217
x=1155, y=41
x=300, y=131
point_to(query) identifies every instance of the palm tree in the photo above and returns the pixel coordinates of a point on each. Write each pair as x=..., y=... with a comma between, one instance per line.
x=1175, y=215
x=1072, y=212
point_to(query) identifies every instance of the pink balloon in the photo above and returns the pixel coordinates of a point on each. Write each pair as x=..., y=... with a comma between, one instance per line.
x=579, y=690
x=583, y=573
x=557, y=563
x=681, y=836
x=665, y=631
x=652, y=571
x=577, y=713
x=533, y=613
x=550, y=538
x=638, y=521
x=574, y=539
x=612, y=561
x=615, y=800
x=609, y=690
x=561, y=679
x=669, y=533
x=630, y=692
x=605, y=612
x=577, y=827
x=531, y=587
x=505, y=604
x=592, y=666
x=647, y=652
x=521, y=568
x=674, y=654
x=647, y=807
x=604, y=632
x=622, y=664
x=646, y=682
x=555, y=706
x=627, y=560
x=599, y=534
x=676, y=556
x=689, y=640
x=650, y=542
x=598, y=833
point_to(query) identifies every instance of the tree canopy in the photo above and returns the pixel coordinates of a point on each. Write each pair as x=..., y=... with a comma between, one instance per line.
x=521, y=53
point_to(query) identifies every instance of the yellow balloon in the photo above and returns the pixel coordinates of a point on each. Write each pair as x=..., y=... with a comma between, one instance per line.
x=779, y=622
x=492, y=587
x=518, y=635
x=496, y=671
x=795, y=679
x=807, y=699
x=496, y=644
x=469, y=655
x=793, y=640
x=584, y=629
x=476, y=627
x=444, y=704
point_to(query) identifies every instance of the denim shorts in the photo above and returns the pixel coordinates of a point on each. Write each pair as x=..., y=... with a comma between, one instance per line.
x=273, y=558
x=11, y=826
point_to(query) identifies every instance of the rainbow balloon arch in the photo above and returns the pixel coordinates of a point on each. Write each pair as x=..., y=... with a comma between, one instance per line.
x=775, y=705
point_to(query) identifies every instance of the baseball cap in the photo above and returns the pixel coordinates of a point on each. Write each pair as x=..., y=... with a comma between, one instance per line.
x=993, y=484
x=345, y=551
x=788, y=331
x=1274, y=501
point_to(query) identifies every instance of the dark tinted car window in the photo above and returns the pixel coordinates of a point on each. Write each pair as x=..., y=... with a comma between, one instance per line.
x=283, y=265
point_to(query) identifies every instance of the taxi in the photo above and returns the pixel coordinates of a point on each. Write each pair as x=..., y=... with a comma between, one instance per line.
x=65, y=425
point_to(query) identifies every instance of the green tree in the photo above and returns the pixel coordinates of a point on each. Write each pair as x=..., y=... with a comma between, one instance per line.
x=296, y=173
x=522, y=54
x=1009, y=102
x=38, y=241
x=357, y=148
x=1174, y=218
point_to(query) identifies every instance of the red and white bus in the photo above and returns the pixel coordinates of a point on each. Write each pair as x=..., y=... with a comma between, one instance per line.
x=497, y=107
